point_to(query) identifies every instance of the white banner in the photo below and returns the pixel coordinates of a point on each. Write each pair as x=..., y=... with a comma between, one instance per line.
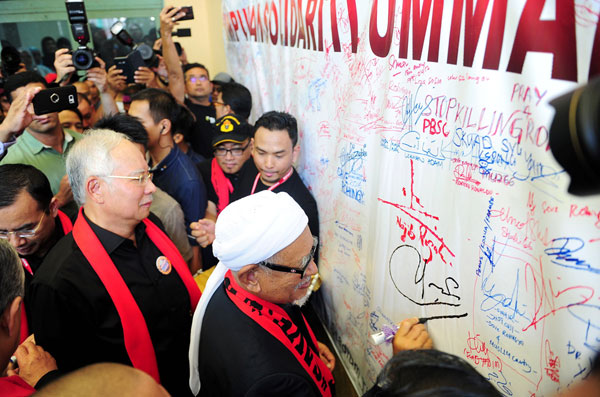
x=424, y=128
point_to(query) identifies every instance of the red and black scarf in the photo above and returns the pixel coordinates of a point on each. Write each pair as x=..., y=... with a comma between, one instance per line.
x=278, y=323
x=135, y=331
x=221, y=184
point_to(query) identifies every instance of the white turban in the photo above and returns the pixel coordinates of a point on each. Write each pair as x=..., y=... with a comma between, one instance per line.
x=248, y=231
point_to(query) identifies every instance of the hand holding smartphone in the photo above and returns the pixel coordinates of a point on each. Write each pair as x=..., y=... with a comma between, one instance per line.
x=189, y=13
x=55, y=99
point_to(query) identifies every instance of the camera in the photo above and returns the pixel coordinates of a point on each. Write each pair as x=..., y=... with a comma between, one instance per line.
x=83, y=57
x=184, y=32
x=575, y=137
x=118, y=30
x=11, y=61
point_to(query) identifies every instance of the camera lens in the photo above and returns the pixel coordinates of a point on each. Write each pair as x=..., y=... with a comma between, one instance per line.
x=83, y=58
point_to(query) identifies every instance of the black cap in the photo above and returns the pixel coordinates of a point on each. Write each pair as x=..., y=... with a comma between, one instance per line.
x=231, y=128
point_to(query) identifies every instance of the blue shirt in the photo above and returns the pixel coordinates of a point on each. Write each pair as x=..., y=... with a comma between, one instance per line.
x=177, y=175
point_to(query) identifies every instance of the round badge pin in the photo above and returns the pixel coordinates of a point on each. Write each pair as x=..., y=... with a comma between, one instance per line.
x=163, y=264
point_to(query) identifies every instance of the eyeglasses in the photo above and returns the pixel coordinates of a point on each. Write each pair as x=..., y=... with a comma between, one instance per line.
x=141, y=179
x=221, y=151
x=23, y=233
x=305, y=262
x=193, y=79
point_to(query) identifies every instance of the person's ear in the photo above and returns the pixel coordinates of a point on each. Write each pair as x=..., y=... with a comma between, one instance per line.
x=165, y=126
x=295, y=153
x=248, y=279
x=10, y=320
x=53, y=207
x=95, y=188
x=178, y=138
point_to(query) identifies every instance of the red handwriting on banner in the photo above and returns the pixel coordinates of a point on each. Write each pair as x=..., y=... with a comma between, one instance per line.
x=478, y=353
x=422, y=220
x=552, y=363
x=586, y=211
x=548, y=299
x=522, y=231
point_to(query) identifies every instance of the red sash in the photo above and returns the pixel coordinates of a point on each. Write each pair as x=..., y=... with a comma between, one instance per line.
x=221, y=184
x=65, y=221
x=278, y=323
x=15, y=386
x=135, y=331
x=67, y=226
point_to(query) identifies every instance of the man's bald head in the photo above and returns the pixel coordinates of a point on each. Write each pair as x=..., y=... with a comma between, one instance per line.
x=104, y=379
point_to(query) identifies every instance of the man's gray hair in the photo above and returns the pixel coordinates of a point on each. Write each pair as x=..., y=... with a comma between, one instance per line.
x=12, y=277
x=90, y=156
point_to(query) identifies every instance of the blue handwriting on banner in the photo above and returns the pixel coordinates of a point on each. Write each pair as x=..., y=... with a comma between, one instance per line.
x=351, y=171
x=562, y=253
x=413, y=108
x=493, y=298
x=314, y=91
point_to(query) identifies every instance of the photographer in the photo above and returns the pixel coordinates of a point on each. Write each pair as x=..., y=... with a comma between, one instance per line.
x=65, y=70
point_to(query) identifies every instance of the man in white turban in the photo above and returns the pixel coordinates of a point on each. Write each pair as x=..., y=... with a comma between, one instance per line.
x=248, y=334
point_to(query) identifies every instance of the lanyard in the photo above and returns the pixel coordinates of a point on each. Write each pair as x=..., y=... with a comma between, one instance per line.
x=27, y=266
x=279, y=182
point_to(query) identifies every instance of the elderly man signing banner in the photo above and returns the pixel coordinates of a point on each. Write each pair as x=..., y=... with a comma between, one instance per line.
x=116, y=289
x=248, y=334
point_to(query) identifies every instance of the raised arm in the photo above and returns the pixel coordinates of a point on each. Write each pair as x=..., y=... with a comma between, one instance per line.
x=168, y=20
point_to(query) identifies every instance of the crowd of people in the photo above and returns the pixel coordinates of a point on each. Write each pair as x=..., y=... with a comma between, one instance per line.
x=108, y=211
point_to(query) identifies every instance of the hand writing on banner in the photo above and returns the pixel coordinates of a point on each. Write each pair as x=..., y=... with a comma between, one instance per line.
x=411, y=335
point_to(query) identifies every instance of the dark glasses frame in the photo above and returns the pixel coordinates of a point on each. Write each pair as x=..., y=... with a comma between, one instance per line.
x=301, y=271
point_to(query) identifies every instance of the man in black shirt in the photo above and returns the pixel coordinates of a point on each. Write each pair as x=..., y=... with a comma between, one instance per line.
x=117, y=290
x=190, y=86
x=29, y=215
x=221, y=174
x=232, y=148
x=274, y=150
x=249, y=337
x=198, y=89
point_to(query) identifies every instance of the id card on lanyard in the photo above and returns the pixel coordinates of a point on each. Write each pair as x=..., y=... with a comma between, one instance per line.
x=279, y=182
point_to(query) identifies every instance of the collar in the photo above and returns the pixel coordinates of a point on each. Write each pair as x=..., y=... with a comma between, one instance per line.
x=109, y=240
x=168, y=161
x=37, y=146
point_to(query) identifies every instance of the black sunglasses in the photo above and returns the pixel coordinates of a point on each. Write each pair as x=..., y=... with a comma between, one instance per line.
x=301, y=271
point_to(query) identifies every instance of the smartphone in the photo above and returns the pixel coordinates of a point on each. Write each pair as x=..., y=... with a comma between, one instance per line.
x=129, y=64
x=55, y=99
x=189, y=13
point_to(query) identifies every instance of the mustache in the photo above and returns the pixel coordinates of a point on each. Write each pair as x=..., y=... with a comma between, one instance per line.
x=304, y=280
